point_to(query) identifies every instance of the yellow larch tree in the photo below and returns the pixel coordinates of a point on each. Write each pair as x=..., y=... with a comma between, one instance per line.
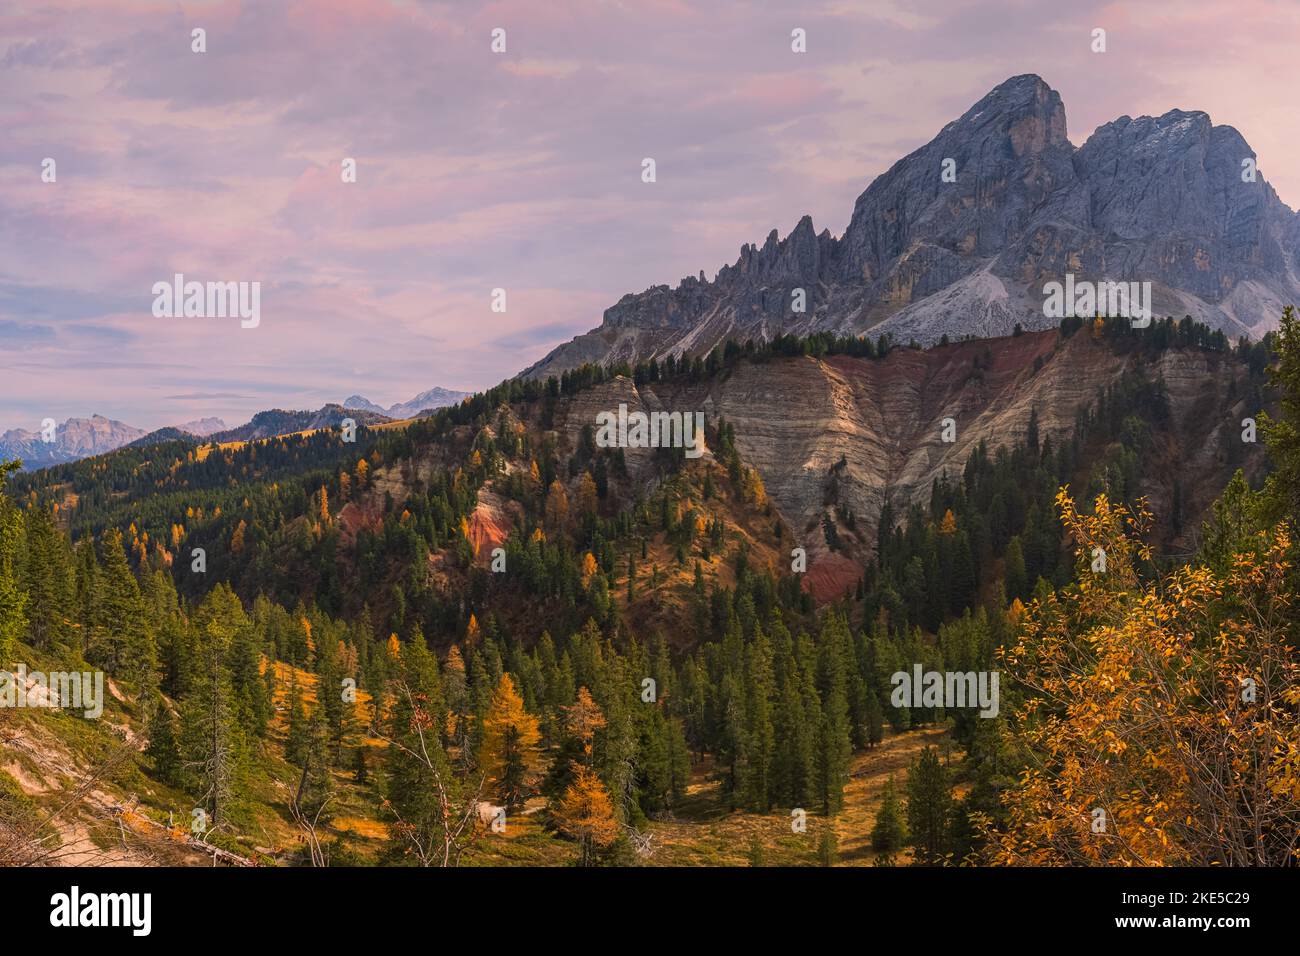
x=557, y=507
x=509, y=753
x=586, y=814
x=583, y=719
x=587, y=494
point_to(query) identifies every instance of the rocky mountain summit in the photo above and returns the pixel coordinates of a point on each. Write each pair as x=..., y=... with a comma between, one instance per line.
x=959, y=238
x=428, y=400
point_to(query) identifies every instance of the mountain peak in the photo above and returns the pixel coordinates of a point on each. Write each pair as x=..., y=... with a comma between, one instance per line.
x=363, y=403
x=1024, y=109
x=1021, y=84
x=429, y=399
x=958, y=238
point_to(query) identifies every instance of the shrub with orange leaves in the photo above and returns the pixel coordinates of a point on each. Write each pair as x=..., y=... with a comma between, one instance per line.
x=1159, y=716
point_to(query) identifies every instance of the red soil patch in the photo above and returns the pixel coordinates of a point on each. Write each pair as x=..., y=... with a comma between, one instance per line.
x=831, y=577
x=489, y=525
x=352, y=517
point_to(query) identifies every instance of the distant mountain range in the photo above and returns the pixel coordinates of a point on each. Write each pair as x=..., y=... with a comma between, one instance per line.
x=433, y=399
x=267, y=424
x=1173, y=200
x=76, y=438
x=79, y=438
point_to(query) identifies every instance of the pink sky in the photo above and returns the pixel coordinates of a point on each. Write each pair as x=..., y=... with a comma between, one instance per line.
x=479, y=170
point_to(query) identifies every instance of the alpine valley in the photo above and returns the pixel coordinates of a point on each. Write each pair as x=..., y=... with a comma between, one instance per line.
x=479, y=630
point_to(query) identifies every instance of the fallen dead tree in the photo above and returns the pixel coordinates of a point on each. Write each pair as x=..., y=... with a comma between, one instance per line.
x=130, y=817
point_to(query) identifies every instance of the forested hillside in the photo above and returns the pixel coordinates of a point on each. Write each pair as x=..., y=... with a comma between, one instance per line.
x=481, y=638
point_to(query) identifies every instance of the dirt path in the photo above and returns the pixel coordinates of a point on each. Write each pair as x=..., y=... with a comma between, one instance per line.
x=85, y=824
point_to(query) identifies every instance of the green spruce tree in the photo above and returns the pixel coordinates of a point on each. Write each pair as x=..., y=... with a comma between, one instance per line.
x=929, y=808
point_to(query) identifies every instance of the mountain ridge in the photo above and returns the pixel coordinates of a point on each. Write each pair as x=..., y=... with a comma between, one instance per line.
x=1159, y=199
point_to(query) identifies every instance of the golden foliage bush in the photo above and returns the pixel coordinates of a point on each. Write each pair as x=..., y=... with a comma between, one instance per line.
x=1159, y=716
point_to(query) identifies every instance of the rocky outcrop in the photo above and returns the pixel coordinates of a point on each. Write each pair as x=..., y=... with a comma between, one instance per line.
x=1165, y=200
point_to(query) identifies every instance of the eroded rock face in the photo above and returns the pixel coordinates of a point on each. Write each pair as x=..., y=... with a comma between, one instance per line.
x=879, y=424
x=1158, y=199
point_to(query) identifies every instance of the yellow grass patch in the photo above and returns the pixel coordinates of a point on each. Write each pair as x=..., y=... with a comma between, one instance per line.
x=369, y=829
